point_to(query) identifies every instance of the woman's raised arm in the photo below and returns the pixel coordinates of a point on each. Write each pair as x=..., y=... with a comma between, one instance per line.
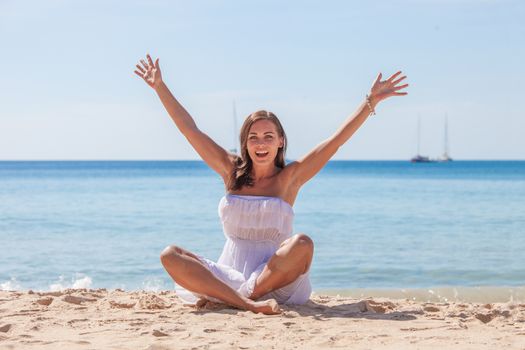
x=214, y=155
x=309, y=165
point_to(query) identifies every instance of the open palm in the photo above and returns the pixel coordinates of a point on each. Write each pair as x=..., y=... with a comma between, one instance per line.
x=384, y=89
x=149, y=71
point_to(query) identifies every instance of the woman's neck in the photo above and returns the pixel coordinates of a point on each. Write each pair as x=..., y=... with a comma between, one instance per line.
x=263, y=172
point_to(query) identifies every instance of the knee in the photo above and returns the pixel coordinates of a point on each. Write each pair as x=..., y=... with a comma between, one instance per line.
x=303, y=242
x=169, y=254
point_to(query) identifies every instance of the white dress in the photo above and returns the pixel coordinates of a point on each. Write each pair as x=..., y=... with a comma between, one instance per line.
x=254, y=227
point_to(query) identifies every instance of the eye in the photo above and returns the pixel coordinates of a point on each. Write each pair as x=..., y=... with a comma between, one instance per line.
x=252, y=137
x=269, y=137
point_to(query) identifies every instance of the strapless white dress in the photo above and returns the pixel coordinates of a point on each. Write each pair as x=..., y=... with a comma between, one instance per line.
x=254, y=227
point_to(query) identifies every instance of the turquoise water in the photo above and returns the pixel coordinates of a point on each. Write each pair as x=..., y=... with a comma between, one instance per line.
x=375, y=224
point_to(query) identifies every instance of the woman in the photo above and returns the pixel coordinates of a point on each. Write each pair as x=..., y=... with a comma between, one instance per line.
x=262, y=264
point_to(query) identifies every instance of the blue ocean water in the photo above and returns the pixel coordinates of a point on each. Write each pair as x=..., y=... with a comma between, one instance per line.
x=375, y=224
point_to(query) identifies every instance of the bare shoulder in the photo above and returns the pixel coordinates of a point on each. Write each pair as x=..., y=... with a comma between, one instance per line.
x=288, y=182
x=288, y=172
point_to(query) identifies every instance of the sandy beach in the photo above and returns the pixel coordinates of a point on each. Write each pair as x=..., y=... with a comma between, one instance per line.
x=117, y=319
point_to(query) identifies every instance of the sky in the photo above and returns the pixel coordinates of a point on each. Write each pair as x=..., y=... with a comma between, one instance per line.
x=68, y=91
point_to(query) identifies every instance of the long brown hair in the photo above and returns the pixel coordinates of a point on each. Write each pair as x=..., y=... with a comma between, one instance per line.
x=241, y=175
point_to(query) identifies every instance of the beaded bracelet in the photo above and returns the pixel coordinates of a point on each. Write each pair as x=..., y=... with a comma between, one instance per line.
x=372, y=110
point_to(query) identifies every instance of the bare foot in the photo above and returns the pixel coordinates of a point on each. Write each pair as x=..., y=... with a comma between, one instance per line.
x=201, y=303
x=267, y=307
x=206, y=304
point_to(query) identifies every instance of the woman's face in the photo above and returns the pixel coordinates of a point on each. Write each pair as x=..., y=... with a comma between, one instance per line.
x=263, y=142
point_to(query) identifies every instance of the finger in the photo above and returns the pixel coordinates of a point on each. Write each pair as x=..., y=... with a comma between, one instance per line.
x=398, y=80
x=378, y=79
x=400, y=87
x=157, y=64
x=139, y=74
x=140, y=68
x=144, y=64
x=150, y=61
x=400, y=93
x=393, y=76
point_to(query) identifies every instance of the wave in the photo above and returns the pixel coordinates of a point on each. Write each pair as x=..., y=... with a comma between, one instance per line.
x=78, y=281
x=82, y=281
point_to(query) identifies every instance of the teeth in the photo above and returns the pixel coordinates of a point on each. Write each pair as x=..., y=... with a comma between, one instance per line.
x=261, y=153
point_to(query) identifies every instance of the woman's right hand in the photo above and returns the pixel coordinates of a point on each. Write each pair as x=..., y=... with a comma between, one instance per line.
x=150, y=72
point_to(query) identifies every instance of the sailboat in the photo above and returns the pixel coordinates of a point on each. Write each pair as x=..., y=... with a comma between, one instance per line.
x=418, y=158
x=445, y=157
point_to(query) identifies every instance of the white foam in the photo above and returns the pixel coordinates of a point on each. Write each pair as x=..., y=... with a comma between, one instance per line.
x=77, y=282
x=12, y=284
x=153, y=284
x=82, y=283
x=55, y=287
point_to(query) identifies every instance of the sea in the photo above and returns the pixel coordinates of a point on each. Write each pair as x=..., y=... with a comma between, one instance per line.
x=424, y=231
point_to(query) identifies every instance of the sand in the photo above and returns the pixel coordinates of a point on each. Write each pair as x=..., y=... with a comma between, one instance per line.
x=101, y=319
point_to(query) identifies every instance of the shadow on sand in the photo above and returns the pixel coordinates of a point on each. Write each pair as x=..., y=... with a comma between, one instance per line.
x=318, y=310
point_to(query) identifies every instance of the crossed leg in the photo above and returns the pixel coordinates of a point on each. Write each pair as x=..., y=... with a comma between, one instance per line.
x=292, y=259
x=188, y=271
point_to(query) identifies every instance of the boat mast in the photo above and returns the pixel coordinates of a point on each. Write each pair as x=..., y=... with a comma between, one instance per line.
x=418, y=158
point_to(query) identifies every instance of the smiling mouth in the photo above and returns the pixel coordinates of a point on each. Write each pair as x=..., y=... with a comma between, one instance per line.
x=261, y=154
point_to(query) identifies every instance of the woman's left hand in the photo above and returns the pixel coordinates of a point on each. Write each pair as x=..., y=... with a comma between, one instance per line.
x=384, y=89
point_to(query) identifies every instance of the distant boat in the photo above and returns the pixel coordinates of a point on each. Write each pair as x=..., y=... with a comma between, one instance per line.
x=418, y=158
x=445, y=157
x=421, y=159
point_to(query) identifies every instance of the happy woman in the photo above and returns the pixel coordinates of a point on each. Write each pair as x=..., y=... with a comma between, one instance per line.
x=263, y=263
